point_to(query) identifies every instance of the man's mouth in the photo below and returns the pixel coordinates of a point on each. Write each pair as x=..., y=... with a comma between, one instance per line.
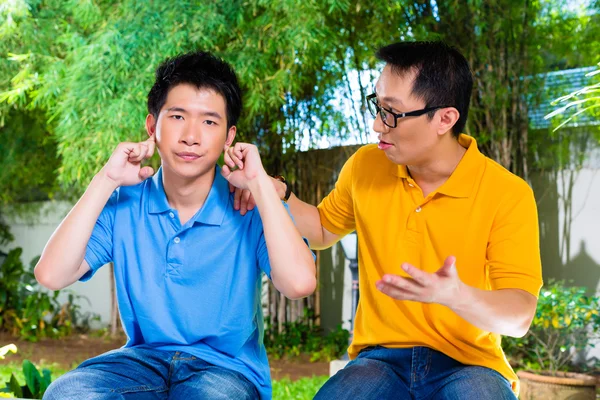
x=188, y=156
x=384, y=145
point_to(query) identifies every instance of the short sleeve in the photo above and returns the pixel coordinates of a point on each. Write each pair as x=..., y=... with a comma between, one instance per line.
x=337, y=209
x=99, y=250
x=513, y=253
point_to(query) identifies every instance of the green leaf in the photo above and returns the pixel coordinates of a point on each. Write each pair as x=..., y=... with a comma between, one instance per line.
x=46, y=381
x=14, y=386
x=32, y=376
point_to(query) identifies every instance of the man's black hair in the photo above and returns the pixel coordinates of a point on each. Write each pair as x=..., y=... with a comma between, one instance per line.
x=443, y=76
x=202, y=70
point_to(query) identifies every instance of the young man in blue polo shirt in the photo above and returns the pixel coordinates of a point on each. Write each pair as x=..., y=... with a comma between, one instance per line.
x=187, y=265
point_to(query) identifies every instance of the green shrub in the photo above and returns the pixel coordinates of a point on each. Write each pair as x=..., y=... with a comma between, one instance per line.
x=565, y=322
x=36, y=383
x=305, y=337
x=31, y=313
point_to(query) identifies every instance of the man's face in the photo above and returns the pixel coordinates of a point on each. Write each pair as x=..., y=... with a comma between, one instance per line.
x=191, y=130
x=413, y=138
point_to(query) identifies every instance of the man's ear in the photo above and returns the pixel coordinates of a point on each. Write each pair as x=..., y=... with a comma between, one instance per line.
x=448, y=118
x=230, y=136
x=151, y=125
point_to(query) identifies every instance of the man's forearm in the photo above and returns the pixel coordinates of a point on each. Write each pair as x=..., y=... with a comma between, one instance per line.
x=292, y=264
x=308, y=222
x=506, y=312
x=59, y=265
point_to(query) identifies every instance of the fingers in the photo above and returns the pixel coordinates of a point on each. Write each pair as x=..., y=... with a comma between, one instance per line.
x=233, y=158
x=244, y=202
x=251, y=203
x=137, y=152
x=398, y=293
x=151, y=143
x=420, y=277
x=226, y=172
x=227, y=158
x=398, y=282
x=236, y=198
x=240, y=149
x=448, y=269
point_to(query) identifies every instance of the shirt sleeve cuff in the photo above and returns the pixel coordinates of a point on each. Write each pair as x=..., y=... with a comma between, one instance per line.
x=532, y=286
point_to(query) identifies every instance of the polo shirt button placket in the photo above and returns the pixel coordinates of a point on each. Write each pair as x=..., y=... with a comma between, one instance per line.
x=418, y=209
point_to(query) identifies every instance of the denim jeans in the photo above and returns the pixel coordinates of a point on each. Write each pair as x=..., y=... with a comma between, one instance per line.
x=413, y=373
x=142, y=373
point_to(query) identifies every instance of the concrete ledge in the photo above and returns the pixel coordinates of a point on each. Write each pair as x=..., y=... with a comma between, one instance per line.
x=336, y=365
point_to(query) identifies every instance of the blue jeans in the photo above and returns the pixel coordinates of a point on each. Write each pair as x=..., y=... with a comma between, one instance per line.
x=141, y=373
x=413, y=373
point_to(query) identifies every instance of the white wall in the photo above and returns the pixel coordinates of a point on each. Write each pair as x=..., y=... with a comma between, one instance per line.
x=33, y=229
x=585, y=223
x=582, y=263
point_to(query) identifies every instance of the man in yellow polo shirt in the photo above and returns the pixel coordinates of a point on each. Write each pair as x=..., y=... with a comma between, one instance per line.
x=448, y=241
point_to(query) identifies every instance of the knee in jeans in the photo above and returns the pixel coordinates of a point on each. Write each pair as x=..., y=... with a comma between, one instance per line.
x=62, y=388
x=71, y=385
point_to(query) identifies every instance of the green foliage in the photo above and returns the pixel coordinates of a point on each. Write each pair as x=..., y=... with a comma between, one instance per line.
x=81, y=70
x=566, y=322
x=16, y=369
x=36, y=383
x=28, y=311
x=302, y=389
x=304, y=337
x=29, y=159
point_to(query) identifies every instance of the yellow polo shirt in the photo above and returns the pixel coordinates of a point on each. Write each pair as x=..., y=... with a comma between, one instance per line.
x=483, y=214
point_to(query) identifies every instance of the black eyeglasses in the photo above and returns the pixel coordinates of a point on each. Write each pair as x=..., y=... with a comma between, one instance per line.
x=390, y=118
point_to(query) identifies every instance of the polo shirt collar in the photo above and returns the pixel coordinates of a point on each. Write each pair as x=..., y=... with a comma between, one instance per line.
x=214, y=208
x=157, y=199
x=462, y=181
x=217, y=203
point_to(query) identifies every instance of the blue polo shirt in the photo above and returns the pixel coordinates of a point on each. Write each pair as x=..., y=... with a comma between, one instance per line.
x=193, y=288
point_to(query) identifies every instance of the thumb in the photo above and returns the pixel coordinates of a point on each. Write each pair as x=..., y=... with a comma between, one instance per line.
x=449, y=267
x=226, y=172
x=146, y=172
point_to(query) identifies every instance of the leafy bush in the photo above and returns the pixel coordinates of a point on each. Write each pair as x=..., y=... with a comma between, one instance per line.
x=305, y=337
x=36, y=383
x=565, y=322
x=31, y=313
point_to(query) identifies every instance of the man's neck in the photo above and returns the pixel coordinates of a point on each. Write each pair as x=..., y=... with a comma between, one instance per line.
x=440, y=165
x=187, y=196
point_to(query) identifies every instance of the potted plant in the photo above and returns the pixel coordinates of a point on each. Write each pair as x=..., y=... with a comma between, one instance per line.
x=565, y=324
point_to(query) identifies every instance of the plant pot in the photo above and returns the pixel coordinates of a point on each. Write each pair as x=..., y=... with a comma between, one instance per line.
x=559, y=386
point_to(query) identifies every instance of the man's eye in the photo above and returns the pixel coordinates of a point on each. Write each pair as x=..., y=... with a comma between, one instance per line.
x=209, y=122
x=178, y=117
